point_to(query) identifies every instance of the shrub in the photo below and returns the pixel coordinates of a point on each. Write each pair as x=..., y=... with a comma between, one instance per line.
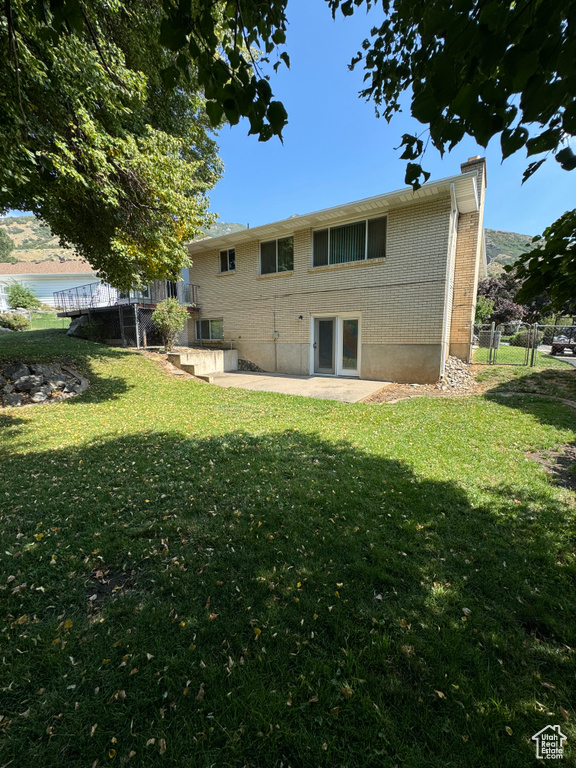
x=14, y=322
x=19, y=296
x=169, y=317
x=523, y=339
x=92, y=331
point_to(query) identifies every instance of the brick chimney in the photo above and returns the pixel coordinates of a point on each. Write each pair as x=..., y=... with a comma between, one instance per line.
x=469, y=248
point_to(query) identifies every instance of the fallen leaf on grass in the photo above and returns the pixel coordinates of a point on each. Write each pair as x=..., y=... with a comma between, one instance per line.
x=549, y=685
x=93, y=729
x=564, y=712
x=440, y=694
x=162, y=745
x=509, y=730
x=200, y=694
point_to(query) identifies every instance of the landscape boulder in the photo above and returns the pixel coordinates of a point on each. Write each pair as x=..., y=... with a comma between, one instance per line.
x=37, y=383
x=28, y=383
x=12, y=400
x=15, y=371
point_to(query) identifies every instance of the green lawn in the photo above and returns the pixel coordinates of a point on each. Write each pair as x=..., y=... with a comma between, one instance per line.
x=46, y=320
x=197, y=577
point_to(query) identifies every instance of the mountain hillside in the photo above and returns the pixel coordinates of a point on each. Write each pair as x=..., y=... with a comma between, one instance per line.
x=34, y=241
x=503, y=248
x=223, y=228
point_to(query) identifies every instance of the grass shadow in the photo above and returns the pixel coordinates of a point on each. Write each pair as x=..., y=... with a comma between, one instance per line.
x=287, y=601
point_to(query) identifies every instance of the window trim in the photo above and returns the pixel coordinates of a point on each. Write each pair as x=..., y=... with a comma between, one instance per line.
x=345, y=224
x=227, y=251
x=199, y=337
x=276, y=272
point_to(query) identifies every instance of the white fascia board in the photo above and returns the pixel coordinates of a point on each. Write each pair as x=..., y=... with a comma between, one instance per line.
x=464, y=187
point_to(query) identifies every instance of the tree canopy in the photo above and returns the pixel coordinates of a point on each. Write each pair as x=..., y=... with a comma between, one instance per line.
x=92, y=139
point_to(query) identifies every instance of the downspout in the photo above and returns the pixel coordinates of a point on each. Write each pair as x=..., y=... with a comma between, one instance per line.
x=451, y=249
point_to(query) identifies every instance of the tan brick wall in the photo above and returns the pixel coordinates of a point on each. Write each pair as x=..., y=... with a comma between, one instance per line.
x=400, y=298
x=467, y=265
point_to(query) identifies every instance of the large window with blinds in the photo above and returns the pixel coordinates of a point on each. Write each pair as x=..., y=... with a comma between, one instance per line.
x=358, y=241
x=277, y=256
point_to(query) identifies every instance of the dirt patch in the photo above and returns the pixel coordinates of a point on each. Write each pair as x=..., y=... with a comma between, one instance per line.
x=459, y=379
x=560, y=464
x=105, y=583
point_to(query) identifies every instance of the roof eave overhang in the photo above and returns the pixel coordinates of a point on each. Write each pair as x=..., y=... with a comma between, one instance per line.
x=464, y=189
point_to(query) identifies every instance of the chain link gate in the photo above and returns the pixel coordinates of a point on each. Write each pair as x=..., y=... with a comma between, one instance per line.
x=513, y=343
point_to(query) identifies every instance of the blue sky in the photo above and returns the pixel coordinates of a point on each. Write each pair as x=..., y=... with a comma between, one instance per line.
x=335, y=150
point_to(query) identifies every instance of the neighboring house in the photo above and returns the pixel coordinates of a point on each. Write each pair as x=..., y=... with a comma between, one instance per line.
x=383, y=288
x=46, y=277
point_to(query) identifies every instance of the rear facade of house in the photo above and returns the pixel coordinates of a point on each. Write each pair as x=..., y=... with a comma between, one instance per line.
x=384, y=288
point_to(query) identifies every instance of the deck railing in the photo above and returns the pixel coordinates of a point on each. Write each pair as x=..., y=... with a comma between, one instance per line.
x=94, y=295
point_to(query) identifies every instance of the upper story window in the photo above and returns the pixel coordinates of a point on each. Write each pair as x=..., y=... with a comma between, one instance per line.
x=357, y=241
x=277, y=256
x=228, y=260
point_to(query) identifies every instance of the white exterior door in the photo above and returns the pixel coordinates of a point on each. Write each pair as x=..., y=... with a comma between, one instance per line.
x=335, y=348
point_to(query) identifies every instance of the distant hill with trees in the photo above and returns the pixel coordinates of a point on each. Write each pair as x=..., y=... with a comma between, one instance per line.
x=33, y=240
x=503, y=248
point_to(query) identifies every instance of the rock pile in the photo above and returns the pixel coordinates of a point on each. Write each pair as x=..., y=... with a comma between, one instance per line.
x=22, y=384
x=248, y=365
x=457, y=376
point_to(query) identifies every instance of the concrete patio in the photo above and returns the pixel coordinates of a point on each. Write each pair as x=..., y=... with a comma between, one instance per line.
x=321, y=387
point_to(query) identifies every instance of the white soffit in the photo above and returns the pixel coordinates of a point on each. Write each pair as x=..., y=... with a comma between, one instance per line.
x=464, y=189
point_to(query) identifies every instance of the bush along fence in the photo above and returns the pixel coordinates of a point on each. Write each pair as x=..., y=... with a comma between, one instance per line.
x=518, y=343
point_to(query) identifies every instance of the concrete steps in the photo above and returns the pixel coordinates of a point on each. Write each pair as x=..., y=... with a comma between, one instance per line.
x=204, y=363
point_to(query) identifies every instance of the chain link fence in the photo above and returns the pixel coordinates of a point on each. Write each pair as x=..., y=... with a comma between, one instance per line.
x=132, y=326
x=518, y=343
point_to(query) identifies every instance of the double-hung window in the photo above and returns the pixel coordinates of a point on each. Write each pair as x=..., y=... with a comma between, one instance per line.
x=277, y=256
x=228, y=260
x=210, y=330
x=358, y=241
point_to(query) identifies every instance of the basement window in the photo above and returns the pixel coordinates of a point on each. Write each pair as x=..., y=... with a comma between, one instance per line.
x=210, y=330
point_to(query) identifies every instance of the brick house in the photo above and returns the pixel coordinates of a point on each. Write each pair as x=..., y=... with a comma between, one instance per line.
x=382, y=288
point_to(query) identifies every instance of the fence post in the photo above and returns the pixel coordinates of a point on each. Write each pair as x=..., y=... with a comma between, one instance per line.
x=121, y=318
x=492, y=327
x=137, y=327
x=534, y=343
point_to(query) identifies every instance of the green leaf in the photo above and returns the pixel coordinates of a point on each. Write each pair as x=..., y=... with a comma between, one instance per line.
x=567, y=159
x=532, y=168
x=544, y=142
x=512, y=140
x=215, y=110
x=277, y=116
x=170, y=76
x=172, y=34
